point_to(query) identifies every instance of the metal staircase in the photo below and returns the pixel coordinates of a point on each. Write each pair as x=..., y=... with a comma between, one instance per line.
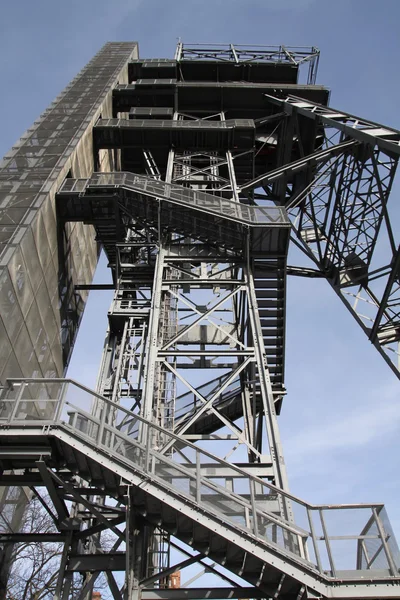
x=270, y=287
x=225, y=513
x=107, y=197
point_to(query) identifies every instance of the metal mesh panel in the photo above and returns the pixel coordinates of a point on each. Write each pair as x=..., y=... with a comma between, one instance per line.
x=35, y=285
x=391, y=539
x=29, y=175
x=371, y=551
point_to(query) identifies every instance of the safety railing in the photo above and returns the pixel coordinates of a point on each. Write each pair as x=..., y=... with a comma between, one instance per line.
x=170, y=124
x=271, y=216
x=337, y=540
x=269, y=53
x=293, y=55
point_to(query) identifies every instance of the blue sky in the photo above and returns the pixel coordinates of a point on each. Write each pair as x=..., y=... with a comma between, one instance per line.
x=341, y=419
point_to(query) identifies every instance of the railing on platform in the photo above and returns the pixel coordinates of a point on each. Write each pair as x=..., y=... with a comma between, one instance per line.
x=169, y=124
x=271, y=216
x=362, y=542
x=237, y=53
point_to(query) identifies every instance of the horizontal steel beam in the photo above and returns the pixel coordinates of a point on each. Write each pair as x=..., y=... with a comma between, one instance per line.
x=299, y=165
x=216, y=470
x=97, y=562
x=33, y=480
x=233, y=352
x=200, y=593
x=95, y=286
x=304, y=272
x=385, y=138
x=22, y=452
x=28, y=538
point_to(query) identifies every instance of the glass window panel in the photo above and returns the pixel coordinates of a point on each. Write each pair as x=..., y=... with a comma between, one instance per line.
x=25, y=353
x=11, y=368
x=50, y=224
x=5, y=344
x=12, y=215
x=31, y=258
x=16, y=200
x=9, y=305
x=6, y=233
x=42, y=245
x=20, y=280
x=45, y=306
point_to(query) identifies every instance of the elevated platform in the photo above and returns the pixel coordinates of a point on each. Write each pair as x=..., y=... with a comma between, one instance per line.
x=148, y=112
x=105, y=196
x=265, y=58
x=227, y=513
x=204, y=70
x=241, y=98
x=190, y=134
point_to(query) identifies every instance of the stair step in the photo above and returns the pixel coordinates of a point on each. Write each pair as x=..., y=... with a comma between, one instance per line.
x=261, y=303
x=264, y=312
x=266, y=331
x=266, y=284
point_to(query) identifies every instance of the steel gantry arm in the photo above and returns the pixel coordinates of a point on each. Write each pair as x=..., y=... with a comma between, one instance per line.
x=337, y=200
x=386, y=138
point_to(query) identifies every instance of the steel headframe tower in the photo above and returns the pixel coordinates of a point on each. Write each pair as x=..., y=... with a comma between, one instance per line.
x=203, y=167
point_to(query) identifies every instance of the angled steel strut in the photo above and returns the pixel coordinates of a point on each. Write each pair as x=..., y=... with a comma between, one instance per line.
x=337, y=199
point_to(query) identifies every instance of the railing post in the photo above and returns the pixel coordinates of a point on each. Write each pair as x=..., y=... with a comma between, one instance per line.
x=198, y=478
x=362, y=550
x=61, y=402
x=253, y=507
x=110, y=438
x=314, y=540
x=147, y=449
x=17, y=400
x=392, y=566
x=74, y=420
x=327, y=544
x=102, y=423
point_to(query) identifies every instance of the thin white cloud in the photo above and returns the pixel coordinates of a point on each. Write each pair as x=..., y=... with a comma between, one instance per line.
x=350, y=429
x=277, y=5
x=112, y=15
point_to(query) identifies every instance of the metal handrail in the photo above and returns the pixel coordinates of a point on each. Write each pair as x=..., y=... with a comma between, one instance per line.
x=225, y=463
x=168, y=123
x=293, y=528
x=271, y=216
x=115, y=441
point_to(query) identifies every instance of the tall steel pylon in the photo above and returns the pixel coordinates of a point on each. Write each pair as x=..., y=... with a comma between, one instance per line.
x=209, y=165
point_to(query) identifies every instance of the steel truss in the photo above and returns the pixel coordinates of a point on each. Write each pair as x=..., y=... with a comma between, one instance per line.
x=337, y=199
x=252, y=54
x=174, y=463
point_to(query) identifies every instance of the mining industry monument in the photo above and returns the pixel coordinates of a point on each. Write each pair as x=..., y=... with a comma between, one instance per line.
x=193, y=174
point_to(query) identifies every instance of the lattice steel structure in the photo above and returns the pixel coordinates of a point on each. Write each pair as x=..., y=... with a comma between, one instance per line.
x=194, y=174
